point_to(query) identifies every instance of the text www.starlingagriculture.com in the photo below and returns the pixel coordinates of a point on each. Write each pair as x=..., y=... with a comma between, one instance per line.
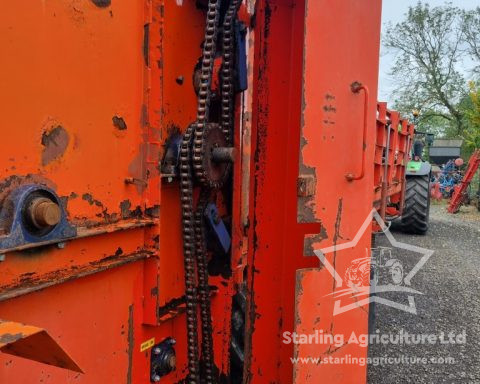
x=375, y=361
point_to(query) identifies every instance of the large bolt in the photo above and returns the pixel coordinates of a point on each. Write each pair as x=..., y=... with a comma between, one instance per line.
x=44, y=213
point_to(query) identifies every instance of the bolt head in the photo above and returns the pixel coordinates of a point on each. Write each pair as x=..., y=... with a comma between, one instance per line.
x=156, y=351
x=155, y=378
x=44, y=212
x=61, y=245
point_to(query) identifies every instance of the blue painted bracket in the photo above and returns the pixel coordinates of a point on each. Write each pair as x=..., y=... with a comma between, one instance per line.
x=218, y=226
x=15, y=228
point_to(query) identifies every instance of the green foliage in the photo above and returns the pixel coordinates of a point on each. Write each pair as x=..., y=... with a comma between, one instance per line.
x=433, y=46
x=471, y=28
x=472, y=112
x=428, y=47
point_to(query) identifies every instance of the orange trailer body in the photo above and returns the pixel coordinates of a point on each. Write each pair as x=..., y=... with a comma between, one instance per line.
x=90, y=92
x=393, y=144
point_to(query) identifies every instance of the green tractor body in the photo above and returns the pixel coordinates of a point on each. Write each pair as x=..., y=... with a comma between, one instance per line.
x=416, y=210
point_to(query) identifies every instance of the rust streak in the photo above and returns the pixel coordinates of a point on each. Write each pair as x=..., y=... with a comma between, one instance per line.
x=130, y=340
x=89, y=231
x=119, y=123
x=28, y=283
x=102, y=3
x=337, y=235
x=55, y=143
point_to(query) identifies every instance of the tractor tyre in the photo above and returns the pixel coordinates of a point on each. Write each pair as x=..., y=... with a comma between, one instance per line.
x=417, y=205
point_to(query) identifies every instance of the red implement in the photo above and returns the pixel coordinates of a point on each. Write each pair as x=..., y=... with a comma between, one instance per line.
x=461, y=190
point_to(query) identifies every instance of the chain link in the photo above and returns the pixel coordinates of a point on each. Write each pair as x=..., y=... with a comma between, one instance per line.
x=227, y=70
x=191, y=155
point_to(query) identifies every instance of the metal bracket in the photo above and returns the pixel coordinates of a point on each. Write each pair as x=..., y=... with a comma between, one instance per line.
x=162, y=359
x=241, y=62
x=35, y=344
x=17, y=232
x=171, y=159
x=218, y=226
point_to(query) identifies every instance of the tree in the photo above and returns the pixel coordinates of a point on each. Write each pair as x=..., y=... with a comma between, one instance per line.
x=428, y=48
x=471, y=30
x=472, y=130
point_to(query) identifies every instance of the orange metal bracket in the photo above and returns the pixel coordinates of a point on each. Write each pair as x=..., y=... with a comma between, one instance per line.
x=33, y=343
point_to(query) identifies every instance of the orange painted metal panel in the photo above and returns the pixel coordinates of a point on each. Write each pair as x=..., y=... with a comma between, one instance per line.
x=91, y=91
x=94, y=320
x=341, y=56
x=275, y=238
x=68, y=69
x=303, y=150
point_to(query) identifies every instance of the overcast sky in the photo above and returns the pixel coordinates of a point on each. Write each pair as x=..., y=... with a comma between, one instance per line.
x=394, y=11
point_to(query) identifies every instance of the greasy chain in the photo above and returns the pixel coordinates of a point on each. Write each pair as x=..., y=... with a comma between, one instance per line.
x=192, y=153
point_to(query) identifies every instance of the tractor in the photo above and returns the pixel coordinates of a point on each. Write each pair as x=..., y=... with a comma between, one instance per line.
x=385, y=268
x=401, y=175
x=415, y=215
x=380, y=267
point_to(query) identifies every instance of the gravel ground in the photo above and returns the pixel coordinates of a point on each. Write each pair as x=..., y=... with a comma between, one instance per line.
x=450, y=283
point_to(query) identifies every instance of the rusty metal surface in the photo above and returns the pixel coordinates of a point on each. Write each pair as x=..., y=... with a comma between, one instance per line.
x=275, y=239
x=89, y=317
x=95, y=110
x=307, y=135
x=89, y=120
x=87, y=232
x=30, y=282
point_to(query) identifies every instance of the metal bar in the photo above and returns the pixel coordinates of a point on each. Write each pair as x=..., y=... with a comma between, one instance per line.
x=356, y=88
x=385, y=175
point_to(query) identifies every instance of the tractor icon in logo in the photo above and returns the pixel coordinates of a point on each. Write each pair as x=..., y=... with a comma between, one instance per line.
x=370, y=279
x=381, y=267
